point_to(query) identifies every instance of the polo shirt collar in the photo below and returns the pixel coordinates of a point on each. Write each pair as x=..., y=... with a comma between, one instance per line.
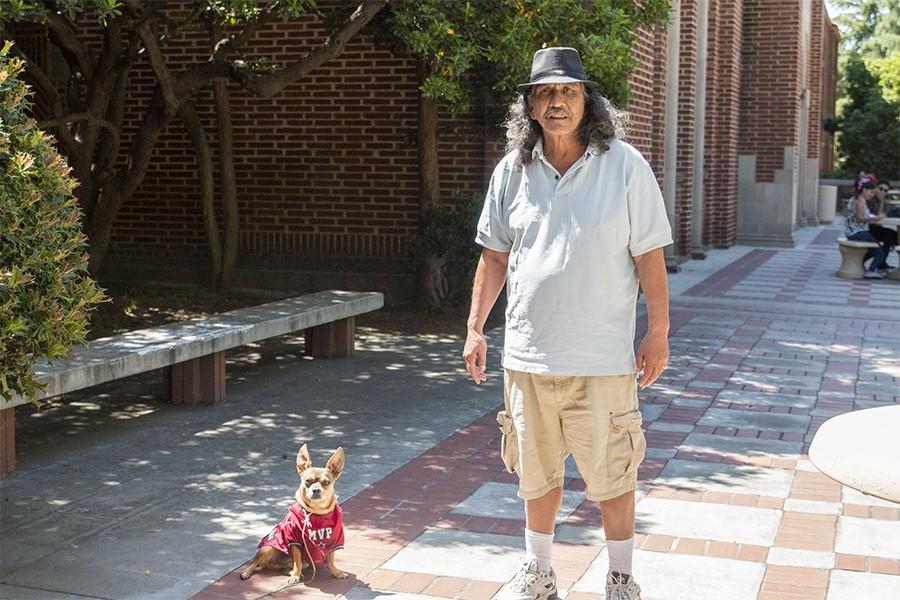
x=538, y=150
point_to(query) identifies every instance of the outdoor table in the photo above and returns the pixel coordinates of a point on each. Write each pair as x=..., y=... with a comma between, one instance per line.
x=860, y=449
x=893, y=222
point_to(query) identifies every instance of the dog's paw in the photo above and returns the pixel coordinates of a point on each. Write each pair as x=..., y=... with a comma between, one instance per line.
x=295, y=579
x=339, y=574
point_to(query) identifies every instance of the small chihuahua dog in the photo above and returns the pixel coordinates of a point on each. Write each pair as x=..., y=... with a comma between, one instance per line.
x=313, y=528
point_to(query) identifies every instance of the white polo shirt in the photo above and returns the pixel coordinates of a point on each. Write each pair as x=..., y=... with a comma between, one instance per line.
x=572, y=284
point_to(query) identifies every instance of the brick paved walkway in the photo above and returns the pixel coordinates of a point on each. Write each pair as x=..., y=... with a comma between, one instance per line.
x=763, y=351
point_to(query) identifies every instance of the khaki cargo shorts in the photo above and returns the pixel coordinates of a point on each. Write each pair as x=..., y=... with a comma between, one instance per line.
x=596, y=419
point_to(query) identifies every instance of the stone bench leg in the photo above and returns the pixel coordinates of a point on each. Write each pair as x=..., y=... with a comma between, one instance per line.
x=332, y=340
x=852, y=262
x=198, y=381
x=7, y=441
x=895, y=274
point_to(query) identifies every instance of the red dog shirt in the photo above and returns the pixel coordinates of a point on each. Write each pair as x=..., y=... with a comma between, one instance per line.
x=324, y=533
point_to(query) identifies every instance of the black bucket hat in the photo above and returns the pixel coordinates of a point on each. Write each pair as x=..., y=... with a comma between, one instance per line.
x=557, y=65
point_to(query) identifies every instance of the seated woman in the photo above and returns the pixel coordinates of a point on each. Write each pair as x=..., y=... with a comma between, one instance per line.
x=856, y=226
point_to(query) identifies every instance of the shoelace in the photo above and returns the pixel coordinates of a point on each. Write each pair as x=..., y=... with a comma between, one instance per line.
x=618, y=589
x=524, y=579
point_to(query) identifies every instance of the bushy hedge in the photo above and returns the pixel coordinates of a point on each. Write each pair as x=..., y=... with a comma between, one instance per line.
x=45, y=291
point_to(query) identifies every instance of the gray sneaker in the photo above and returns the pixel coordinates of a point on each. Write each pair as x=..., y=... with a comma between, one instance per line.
x=529, y=584
x=621, y=587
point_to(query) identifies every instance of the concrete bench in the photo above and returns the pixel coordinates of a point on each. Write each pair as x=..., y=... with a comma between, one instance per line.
x=853, y=255
x=193, y=351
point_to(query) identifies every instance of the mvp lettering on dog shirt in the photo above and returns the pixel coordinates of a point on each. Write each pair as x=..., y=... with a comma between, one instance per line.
x=324, y=533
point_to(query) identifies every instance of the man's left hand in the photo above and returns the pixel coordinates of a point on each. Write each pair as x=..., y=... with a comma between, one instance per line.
x=652, y=358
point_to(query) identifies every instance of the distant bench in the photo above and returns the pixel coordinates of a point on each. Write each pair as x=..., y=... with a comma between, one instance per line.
x=193, y=351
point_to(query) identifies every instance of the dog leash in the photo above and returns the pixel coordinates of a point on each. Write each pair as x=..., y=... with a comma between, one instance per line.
x=312, y=562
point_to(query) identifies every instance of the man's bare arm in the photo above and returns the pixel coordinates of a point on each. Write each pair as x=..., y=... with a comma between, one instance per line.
x=489, y=279
x=653, y=353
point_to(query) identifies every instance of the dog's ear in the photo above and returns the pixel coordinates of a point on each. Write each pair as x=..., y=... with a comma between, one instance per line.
x=336, y=463
x=303, y=459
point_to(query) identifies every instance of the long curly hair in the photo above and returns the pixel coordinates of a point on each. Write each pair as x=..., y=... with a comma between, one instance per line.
x=602, y=123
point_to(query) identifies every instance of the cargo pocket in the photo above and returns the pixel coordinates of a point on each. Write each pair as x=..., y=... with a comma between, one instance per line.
x=509, y=443
x=626, y=446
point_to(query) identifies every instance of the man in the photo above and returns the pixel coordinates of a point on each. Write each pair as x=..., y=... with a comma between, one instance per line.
x=886, y=236
x=572, y=223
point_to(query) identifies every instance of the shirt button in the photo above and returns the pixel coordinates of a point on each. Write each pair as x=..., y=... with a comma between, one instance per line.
x=557, y=178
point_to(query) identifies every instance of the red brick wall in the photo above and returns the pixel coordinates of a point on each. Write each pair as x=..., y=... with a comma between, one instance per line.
x=814, y=80
x=647, y=83
x=830, y=37
x=722, y=122
x=687, y=83
x=327, y=170
x=770, y=82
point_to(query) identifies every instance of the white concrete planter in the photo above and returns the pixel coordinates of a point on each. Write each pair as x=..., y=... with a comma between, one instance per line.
x=827, y=202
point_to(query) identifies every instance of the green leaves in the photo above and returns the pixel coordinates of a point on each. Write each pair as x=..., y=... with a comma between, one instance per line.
x=868, y=123
x=45, y=291
x=488, y=44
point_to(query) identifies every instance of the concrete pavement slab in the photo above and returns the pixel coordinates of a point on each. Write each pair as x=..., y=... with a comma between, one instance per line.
x=774, y=381
x=766, y=399
x=665, y=576
x=359, y=593
x=720, y=477
x=578, y=534
x=651, y=412
x=669, y=426
x=722, y=522
x=15, y=592
x=748, y=419
x=851, y=585
x=868, y=537
x=451, y=553
x=813, y=506
x=725, y=444
x=852, y=496
x=109, y=579
x=499, y=500
x=790, y=557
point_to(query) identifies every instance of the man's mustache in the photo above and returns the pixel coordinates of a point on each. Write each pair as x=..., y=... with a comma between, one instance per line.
x=556, y=113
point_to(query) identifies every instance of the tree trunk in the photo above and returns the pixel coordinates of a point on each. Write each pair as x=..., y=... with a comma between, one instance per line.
x=229, y=184
x=433, y=285
x=207, y=188
x=123, y=185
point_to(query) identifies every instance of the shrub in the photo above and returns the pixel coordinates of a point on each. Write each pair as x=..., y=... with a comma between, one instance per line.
x=448, y=233
x=45, y=291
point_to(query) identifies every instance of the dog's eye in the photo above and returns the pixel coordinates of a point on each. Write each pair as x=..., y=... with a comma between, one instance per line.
x=326, y=482
x=310, y=482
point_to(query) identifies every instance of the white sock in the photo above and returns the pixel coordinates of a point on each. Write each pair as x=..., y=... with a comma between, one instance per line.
x=539, y=547
x=620, y=553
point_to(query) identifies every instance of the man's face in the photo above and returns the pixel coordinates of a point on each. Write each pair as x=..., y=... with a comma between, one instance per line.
x=558, y=107
x=880, y=191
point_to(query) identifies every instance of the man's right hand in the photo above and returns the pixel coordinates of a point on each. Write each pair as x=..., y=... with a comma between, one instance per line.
x=475, y=355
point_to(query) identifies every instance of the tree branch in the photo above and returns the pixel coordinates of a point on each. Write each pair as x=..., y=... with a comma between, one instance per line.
x=81, y=117
x=158, y=64
x=266, y=85
x=235, y=41
x=102, y=80
x=269, y=84
x=203, y=154
x=47, y=90
x=64, y=35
